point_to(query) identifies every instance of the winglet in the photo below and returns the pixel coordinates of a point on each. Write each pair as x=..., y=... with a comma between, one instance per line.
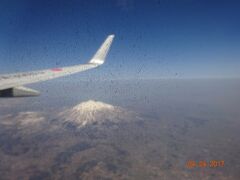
x=99, y=57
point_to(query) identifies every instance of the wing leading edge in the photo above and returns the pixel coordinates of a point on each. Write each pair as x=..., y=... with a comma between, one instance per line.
x=11, y=82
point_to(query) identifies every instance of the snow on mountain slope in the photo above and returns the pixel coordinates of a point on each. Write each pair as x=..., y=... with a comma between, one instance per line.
x=96, y=112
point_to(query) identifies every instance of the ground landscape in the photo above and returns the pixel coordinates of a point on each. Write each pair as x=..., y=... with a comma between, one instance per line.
x=145, y=129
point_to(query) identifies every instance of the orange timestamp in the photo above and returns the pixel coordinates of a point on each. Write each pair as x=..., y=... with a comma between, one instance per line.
x=204, y=164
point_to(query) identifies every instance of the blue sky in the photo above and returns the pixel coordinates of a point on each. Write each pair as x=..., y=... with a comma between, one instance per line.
x=154, y=39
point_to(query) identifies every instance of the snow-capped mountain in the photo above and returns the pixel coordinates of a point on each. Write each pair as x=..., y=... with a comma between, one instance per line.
x=96, y=112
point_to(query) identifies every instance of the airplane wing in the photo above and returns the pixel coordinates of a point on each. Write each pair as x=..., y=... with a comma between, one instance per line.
x=11, y=85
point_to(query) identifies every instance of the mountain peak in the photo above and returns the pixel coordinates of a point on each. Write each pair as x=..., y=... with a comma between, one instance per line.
x=92, y=105
x=95, y=112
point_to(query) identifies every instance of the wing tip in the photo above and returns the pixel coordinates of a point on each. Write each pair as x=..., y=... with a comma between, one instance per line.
x=100, y=56
x=112, y=35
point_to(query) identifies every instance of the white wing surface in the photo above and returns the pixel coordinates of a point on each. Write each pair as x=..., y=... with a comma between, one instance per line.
x=11, y=85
